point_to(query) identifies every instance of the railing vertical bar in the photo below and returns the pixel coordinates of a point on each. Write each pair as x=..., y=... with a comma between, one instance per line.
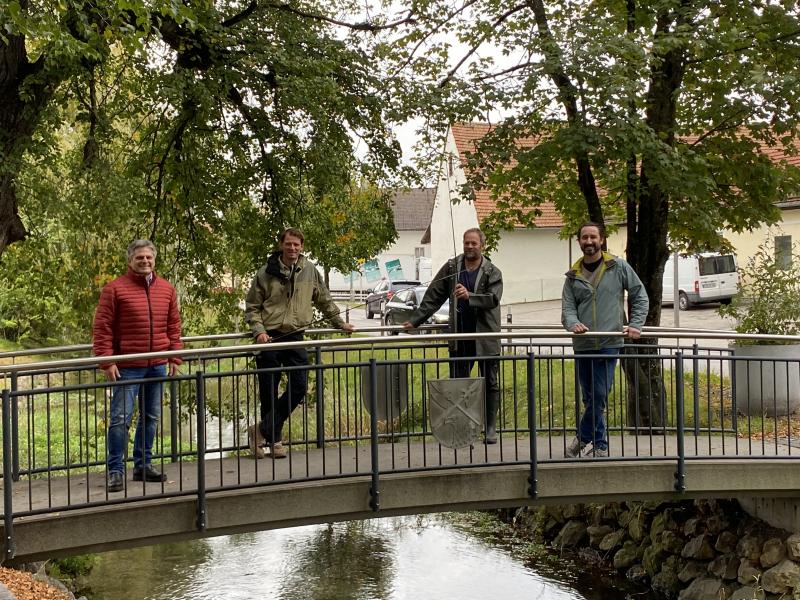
x=680, y=474
x=14, y=430
x=320, y=398
x=533, y=481
x=8, y=489
x=173, y=420
x=374, y=491
x=696, y=394
x=201, y=451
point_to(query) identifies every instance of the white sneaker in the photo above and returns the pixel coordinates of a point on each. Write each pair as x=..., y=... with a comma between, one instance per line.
x=596, y=452
x=574, y=448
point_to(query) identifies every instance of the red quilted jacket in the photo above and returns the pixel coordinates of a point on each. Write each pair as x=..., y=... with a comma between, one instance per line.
x=132, y=317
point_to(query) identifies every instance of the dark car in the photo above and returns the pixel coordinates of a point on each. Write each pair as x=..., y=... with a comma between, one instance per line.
x=383, y=292
x=403, y=303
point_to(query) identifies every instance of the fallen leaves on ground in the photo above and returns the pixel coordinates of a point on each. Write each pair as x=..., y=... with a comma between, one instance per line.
x=25, y=587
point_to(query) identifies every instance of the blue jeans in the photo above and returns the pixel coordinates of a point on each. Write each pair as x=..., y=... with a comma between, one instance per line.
x=122, y=414
x=596, y=376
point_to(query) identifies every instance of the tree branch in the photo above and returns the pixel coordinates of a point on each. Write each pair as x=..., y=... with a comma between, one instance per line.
x=251, y=8
x=509, y=70
x=433, y=31
x=497, y=22
x=780, y=38
x=724, y=124
x=363, y=26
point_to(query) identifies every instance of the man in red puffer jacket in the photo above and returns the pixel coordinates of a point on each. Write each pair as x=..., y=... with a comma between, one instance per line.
x=137, y=313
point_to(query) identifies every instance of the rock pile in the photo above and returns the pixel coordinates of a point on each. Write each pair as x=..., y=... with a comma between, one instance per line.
x=688, y=550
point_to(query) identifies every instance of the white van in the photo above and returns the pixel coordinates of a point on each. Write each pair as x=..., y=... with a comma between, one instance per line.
x=706, y=277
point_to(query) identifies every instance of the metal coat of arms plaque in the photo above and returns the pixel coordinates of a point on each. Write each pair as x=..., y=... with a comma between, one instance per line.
x=456, y=410
x=391, y=392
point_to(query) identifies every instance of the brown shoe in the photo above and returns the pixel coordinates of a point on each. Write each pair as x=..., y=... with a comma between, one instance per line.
x=278, y=450
x=255, y=441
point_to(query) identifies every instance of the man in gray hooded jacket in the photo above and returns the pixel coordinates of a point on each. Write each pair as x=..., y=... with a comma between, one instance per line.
x=477, y=286
x=593, y=299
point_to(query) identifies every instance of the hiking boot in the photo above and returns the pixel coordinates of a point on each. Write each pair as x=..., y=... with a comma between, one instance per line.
x=277, y=450
x=574, y=448
x=256, y=441
x=115, y=482
x=596, y=453
x=149, y=473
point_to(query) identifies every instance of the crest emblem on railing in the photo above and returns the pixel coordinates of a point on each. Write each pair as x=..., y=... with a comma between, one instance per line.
x=391, y=393
x=456, y=410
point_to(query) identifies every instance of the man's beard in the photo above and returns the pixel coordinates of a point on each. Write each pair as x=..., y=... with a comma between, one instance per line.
x=590, y=249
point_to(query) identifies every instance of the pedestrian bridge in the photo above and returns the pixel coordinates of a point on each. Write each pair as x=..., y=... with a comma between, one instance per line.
x=362, y=445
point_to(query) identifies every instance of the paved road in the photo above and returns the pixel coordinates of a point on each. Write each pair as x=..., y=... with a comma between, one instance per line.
x=549, y=313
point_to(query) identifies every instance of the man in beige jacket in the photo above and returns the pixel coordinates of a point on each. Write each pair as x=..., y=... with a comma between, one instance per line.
x=279, y=307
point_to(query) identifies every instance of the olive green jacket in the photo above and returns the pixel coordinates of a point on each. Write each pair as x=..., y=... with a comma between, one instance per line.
x=280, y=299
x=485, y=301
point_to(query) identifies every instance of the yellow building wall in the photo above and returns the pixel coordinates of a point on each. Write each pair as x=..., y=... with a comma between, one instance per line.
x=747, y=243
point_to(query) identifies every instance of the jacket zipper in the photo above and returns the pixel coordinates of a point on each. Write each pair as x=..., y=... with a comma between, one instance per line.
x=150, y=315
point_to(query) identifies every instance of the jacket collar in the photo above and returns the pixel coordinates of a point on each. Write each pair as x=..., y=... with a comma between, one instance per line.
x=141, y=279
x=276, y=268
x=575, y=269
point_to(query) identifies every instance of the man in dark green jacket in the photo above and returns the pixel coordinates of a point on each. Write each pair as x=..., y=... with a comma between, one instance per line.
x=477, y=286
x=593, y=299
x=279, y=306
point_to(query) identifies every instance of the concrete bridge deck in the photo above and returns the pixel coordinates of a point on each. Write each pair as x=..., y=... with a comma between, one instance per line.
x=68, y=515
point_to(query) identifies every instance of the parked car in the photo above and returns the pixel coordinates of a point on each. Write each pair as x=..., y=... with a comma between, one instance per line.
x=383, y=292
x=706, y=277
x=403, y=303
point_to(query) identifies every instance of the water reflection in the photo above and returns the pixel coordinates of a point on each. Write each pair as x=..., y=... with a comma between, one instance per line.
x=347, y=560
x=403, y=558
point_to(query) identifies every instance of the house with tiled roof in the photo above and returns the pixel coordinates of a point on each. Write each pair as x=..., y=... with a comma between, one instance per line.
x=412, y=209
x=533, y=260
x=785, y=233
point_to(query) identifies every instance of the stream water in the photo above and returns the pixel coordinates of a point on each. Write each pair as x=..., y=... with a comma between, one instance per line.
x=401, y=558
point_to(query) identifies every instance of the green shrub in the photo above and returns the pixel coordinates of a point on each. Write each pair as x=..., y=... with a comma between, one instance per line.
x=768, y=302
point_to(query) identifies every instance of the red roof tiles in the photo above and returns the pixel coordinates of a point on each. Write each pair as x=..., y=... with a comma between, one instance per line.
x=466, y=136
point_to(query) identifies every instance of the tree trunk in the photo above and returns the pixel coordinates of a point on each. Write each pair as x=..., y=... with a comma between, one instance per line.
x=648, y=254
x=24, y=91
x=11, y=227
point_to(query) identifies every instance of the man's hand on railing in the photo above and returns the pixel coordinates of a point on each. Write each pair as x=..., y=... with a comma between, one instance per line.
x=262, y=338
x=407, y=325
x=632, y=332
x=348, y=328
x=174, y=369
x=579, y=328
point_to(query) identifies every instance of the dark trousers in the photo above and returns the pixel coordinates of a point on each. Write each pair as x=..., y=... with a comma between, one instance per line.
x=274, y=413
x=488, y=368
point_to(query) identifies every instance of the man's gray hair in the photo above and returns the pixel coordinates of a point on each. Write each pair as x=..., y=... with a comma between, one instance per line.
x=136, y=244
x=481, y=235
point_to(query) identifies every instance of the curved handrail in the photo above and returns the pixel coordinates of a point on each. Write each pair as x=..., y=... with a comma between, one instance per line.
x=345, y=342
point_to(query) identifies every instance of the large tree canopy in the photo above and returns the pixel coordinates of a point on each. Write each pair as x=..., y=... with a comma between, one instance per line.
x=204, y=125
x=649, y=112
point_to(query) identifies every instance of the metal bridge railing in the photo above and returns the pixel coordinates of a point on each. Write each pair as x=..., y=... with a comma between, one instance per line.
x=368, y=412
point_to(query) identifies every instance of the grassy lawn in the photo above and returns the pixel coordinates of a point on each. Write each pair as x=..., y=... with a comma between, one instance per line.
x=59, y=427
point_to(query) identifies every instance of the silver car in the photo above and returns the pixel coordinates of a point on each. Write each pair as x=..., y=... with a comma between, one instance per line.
x=398, y=310
x=383, y=292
